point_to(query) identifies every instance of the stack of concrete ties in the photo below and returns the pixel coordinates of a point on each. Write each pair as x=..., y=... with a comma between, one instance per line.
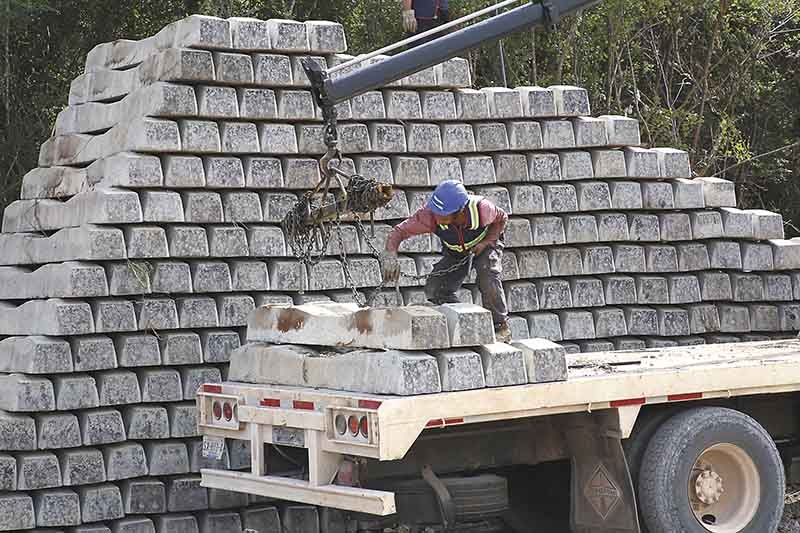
x=149, y=233
x=401, y=351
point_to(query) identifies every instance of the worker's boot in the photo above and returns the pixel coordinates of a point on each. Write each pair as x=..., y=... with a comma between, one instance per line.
x=502, y=332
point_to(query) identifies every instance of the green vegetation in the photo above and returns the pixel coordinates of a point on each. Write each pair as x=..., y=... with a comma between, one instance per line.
x=718, y=78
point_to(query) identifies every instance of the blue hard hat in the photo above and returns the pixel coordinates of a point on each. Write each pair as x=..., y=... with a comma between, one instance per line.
x=449, y=197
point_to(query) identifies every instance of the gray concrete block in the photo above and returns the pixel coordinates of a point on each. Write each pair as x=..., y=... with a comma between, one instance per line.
x=64, y=280
x=734, y=318
x=442, y=169
x=747, y=287
x=703, y=318
x=673, y=163
x=310, y=138
x=234, y=309
x=626, y=195
x=534, y=263
x=183, y=171
x=129, y=278
x=438, y=105
x=257, y=104
x=707, y=225
x=427, y=138
x=756, y=256
x=182, y=420
x=211, y=276
x=467, y=325
x=544, y=360
x=545, y=326
x=661, y=258
x=764, y=318
x=715, y=286
x=725, y=254
x=642, y=163
x=641, y=320
x=160, y=385
x=75, y=391
x=609, y=322
x=35, y=355
x=203, y=207
x=391, y=138
x=629, y=344
x=227, y=241
x=580, y=228
x=660, y=343
x=47, y=317
x=82, y=467
x=629, y=258
x=575, y=165
x=652, y=290
x=178, y=523
x=676, y=226
x=56, y=508
x=587, y=292
x=19, y=392
x=272, y=70
x=589, y=131
x=596, y=346
x=38, y=471
x=565, y=261
x=266, y=241
x=295, y=104
x=766, y=225
x=114, y=316
x=593, y=195
x=287, y=275
x=263, y=172
x=101, y=502
x=503, y=365
x=612, y=227
x=609, y=163
x=554, y=294
x=278, y=138
x=570, y=101
x=683, y=289
x=225, y=499
x=620, y=290
x=146, y=242
x=557, y=134
x=524, y=135
x=199, y=136
x=185, y=494
x=453, y=74
x=194, y=377
x=718, y=192
x=54, y=431
x=546, y=230
x=692, y=256
x=777, y=287
x=644, y=227
x=577, y=324
x=133, y=525
x=785, y=253
x=503, y=102
x=217, y=102
x=544, y=167
x=187, y=241
x=537, y=102
x=234, y=69
x=490, y=137
x=181, y=348
x=101, y=426
x=519, y=327
x=402, y=105
x=736, y=223
x=156, y=314
x=8, y=473
x=167, y=457
x=688, y=193
x=673, y=321
x=227, y=522
x=412, y=171
x=124, y=461
x=657, y=195
x=146, y=422
x=138, y=350
x=197, y=312
x=521, y=296
x=789, y=316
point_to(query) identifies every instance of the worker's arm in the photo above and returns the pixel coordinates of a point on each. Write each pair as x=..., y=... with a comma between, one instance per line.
x=496, y=219
x=419, y=223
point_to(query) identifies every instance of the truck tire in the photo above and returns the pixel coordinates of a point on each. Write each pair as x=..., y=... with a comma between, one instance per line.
x=711, y=469
x=475, y=498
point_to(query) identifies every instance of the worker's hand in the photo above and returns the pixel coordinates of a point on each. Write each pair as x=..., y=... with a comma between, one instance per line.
x=390, y=266
x=409, y=21
x=478, y=249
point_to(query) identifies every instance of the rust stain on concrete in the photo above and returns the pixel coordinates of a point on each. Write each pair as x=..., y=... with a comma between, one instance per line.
x=290, y=319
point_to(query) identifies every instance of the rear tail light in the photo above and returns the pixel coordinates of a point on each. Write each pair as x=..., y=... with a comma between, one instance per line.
x=217, y=410
x=364, y=427
x=352, y=423
x=227, y=411
x=341, y=424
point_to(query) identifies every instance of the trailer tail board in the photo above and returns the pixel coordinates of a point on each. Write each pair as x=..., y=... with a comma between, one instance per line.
x=218, y=410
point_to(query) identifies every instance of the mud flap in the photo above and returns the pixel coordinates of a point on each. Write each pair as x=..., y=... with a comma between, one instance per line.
x=602, y=495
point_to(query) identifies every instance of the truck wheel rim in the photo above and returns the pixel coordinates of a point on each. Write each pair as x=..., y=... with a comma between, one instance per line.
x=724, y=489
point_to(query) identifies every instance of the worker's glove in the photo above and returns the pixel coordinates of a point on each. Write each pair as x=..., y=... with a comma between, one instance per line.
x=390, y=266
x=409, y=21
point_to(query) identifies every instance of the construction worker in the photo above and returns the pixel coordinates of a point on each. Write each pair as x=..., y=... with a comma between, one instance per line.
x=466, y=224
x=422, y=15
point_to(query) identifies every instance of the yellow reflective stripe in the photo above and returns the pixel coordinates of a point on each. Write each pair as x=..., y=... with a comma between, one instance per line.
x=474, y=214
x=443, y=226
x=467, y=245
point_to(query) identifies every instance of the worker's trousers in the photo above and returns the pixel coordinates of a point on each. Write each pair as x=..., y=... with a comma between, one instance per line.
x=489, y=268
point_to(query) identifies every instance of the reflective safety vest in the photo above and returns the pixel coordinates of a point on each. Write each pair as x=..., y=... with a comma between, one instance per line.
x=459, y=239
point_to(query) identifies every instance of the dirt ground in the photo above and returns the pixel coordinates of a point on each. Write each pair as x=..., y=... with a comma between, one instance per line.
x=791, y=515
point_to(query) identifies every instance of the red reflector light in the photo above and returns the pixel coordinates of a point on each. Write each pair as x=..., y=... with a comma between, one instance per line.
x=448, y=421
x=217, y=410
x=299, y=404
x=364, y=426
x=352, y=423
x=227, y=411
x=627, y=402
x=341, y=424
x=434, y=423
x=369, y=404
x=682, y=397
x=213, y=389
x=270, y=402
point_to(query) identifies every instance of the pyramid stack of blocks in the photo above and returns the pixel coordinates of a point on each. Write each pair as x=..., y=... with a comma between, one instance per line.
x=149, y=233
